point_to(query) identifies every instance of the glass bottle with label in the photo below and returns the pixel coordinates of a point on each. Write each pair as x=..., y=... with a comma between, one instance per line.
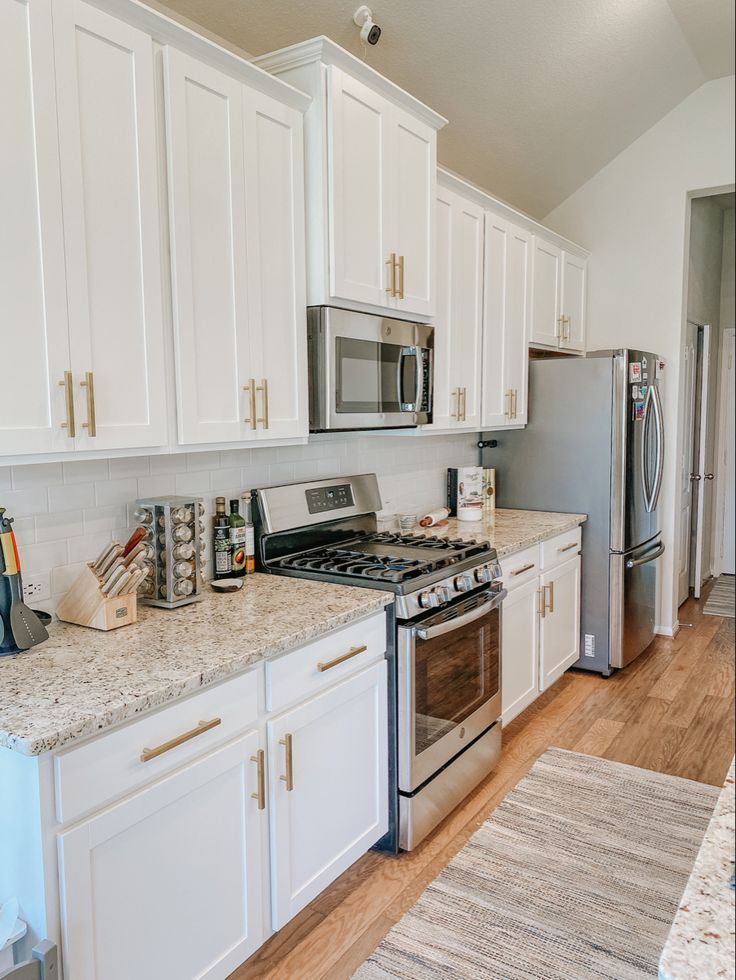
x=221, y=541
x=237, y=539
x=250, y=541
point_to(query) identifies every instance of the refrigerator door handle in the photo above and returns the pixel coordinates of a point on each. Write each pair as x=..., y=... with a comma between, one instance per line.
x=635, y=562
x=659, y=418
x=648, y=490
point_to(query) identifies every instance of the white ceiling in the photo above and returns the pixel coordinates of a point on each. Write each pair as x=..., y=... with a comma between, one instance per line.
x=540, y=94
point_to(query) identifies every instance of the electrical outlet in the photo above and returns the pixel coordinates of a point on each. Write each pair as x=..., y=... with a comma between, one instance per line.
x=37, y=587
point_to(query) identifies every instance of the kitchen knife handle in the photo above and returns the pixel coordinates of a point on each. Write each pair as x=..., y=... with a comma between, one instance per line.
x=10, y=554
x=68, y=385
x=91, y=424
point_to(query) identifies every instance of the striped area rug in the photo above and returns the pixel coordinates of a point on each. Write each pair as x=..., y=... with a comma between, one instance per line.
x=722, y=598
x=576, y=875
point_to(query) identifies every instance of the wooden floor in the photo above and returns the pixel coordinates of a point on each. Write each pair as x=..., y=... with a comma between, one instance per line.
x=672, y=710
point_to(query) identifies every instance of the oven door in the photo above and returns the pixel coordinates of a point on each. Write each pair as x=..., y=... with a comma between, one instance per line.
x=449, y=684
x=376, y=371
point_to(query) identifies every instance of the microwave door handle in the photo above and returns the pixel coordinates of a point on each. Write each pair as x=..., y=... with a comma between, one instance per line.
x=451, y=625
x=407, y=352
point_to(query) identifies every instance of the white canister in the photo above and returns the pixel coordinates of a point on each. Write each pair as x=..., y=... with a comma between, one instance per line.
x=470, y=493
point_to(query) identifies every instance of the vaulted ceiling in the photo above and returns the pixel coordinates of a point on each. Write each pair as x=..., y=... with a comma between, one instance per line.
x=540, y=94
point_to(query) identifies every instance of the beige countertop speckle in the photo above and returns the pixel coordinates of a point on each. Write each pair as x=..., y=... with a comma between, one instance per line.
x=509, y=531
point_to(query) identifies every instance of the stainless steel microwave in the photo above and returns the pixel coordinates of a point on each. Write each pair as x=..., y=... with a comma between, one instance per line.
x=367, y=372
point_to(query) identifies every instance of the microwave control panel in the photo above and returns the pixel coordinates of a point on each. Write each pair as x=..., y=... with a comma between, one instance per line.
x=322, y=499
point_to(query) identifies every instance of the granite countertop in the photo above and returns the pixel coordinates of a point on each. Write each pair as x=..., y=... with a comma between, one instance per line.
x=702, y=937
x=508, y=531
x=81, y=681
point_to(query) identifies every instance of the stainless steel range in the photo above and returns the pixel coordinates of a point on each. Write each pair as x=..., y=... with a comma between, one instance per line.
x=443, y=643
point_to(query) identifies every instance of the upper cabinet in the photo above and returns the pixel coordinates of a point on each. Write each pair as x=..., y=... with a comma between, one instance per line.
x=459, y=319
x=234, y=159
x=371, y=183
x=84, y=360
x=558, y=297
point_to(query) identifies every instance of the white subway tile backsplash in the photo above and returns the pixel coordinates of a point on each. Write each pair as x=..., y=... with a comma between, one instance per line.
x=66, y=513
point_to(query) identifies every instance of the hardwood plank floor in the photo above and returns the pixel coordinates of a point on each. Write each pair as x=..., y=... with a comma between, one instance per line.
x=672, y=710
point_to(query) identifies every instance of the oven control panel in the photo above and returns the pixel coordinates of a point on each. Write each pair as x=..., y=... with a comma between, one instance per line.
x=320, y=500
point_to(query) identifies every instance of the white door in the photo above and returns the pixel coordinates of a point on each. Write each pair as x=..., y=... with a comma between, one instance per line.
x=686, y=460
x=701, y=551
x=168, y=883
x=204, y=123
x=727, y=453
x=444, y=395
x=546, y=280
x=274, y=206
x=520, y=649
x=413, y=186
x=108, y=151
x=572, y=302
x=328, y=768
x=559, y=634
x=359, y=208
x=33, y=314
x=518, y=320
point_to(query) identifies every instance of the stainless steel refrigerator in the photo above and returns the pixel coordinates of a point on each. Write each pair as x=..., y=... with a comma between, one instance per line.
x=595, y=445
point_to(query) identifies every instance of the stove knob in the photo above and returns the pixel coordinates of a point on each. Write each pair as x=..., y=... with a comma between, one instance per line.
x=464, y=583
x=484, y=575
x=429, y=599
x=444, y=592
x=496, y=570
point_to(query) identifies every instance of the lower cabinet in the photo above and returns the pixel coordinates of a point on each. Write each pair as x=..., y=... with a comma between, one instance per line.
x=540, y=635
x=559, y=633
x=168, y=882
x=329, y=787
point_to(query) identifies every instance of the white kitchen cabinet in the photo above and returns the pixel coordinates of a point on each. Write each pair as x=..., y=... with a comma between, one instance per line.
x=328, y=775
x=559, y=634
x=237, y=252
x=370, y=179
x=459, y=323
x=109, y=177
x=167, y=883
x=506, y=322
x=520, y=649
x=558, y=297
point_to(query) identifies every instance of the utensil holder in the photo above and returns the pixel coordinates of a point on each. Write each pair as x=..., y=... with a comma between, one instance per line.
x=163, y=517
x=86, y=605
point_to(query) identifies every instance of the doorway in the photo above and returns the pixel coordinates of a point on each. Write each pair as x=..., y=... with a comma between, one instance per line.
x=724, y=532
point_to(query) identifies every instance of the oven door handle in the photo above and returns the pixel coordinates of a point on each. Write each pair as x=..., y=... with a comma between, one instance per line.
x=453, y=624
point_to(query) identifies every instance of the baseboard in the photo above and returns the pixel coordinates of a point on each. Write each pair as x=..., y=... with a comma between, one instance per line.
x=670, y=631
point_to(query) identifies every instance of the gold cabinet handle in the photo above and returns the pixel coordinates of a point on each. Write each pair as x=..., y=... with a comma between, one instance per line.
x=568, y=547
x=542, y=605
x=68, y=385
x=260, y=760
x=551, y=604
x=91, y=424
x=352, y=652
x=391, y=263
x=516, y=403
x=400, y=290
x=524, y=568
x=251, y=389
x=456, y=396
x=465, y=404
x=263, y=388
x=202, y=727
x=286, y=741
x=508, y=399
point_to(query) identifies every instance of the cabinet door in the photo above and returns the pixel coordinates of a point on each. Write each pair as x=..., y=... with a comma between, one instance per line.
x=467, y=307
x=204, y=124
x=274, y=203
x=518, y=320
x=572, y=301
x=546, y=276
x=331, y=803
x=444, y=395
x=413, y=186
x=520, y=649
x=559, y=645
x=167, y=883
x=496, y=392
x=359, y=207
x=112, y=227
x=35, y=343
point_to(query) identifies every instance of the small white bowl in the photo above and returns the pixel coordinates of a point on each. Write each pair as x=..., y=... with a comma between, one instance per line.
x=227, y=584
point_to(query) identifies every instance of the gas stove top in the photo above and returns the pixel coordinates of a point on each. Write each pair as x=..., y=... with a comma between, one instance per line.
x=326, y=530
x=388, y=558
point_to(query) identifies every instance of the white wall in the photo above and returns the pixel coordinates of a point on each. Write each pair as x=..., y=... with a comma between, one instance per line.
x=634, y=216
x=728, y=279
x=66, y=512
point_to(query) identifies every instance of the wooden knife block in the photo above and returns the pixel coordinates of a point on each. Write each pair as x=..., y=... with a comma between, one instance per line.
x=86, y=605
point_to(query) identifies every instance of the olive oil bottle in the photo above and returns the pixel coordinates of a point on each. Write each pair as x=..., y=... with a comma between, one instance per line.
x=250, y=538
x=221, y=543
x=237, y=540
